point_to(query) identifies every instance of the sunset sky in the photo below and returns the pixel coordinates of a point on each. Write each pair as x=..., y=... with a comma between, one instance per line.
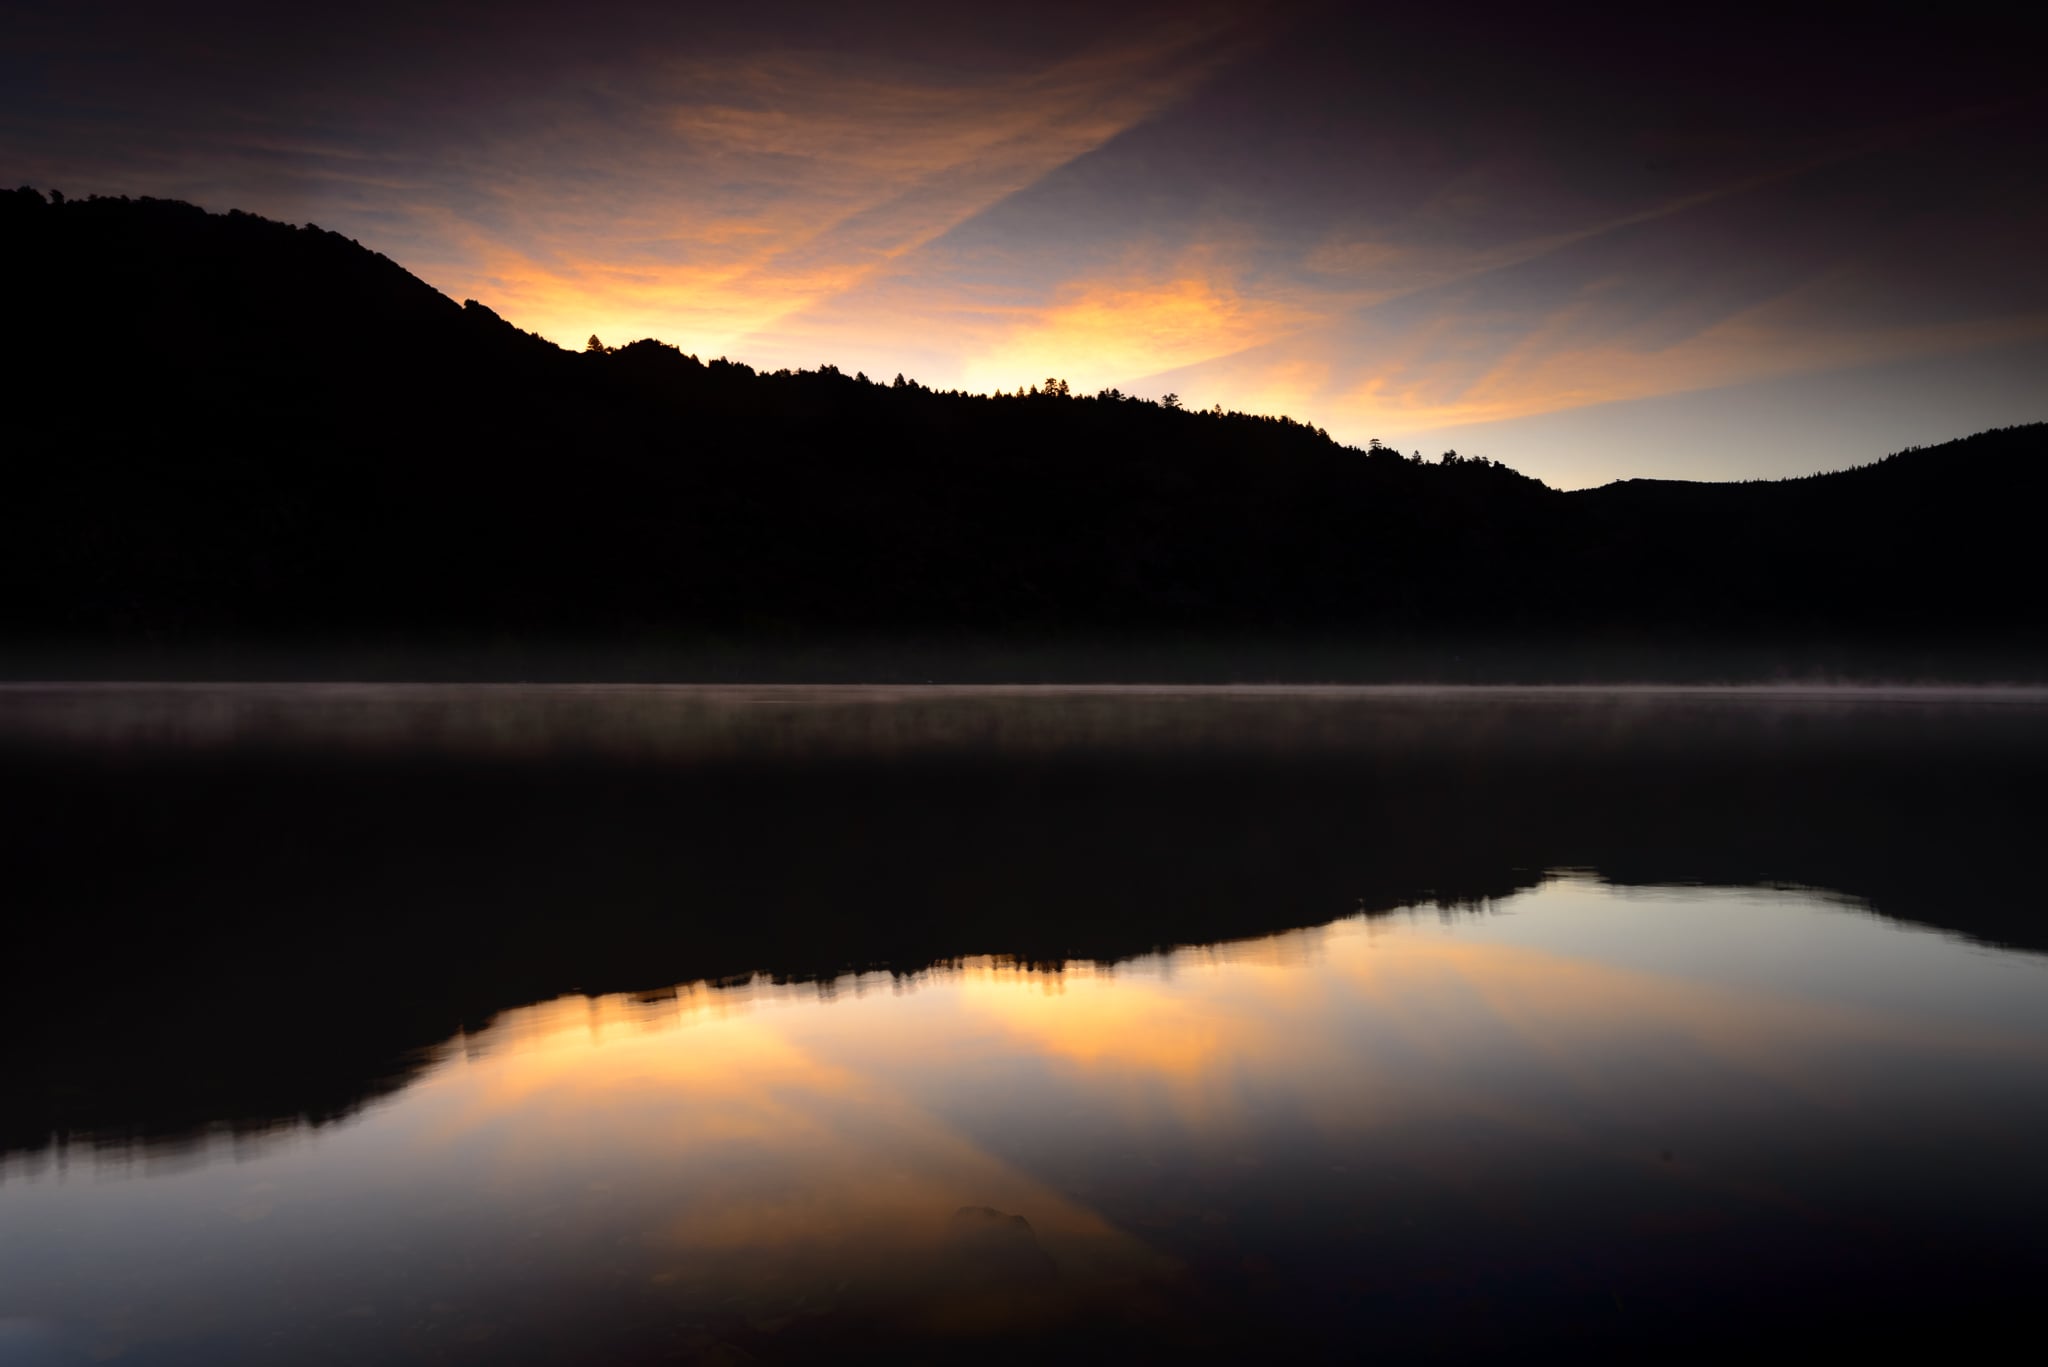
x=1701, y=245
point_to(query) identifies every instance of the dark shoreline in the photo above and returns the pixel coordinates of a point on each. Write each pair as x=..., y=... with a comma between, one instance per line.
x=1135, y=659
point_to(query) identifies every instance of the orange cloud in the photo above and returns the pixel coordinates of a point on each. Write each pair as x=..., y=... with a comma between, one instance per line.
x=1099, y=333
x=736, y=194
x=1545, y=372
x=1467, y=366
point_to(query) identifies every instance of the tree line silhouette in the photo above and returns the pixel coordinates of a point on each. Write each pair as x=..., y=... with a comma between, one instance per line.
x=235, y=430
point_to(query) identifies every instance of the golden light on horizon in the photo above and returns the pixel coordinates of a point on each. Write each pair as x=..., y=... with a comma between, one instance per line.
x=1230, y=202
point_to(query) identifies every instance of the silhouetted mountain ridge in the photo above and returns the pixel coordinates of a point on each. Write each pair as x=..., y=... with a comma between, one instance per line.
x=250, y=432
x=1987, y=456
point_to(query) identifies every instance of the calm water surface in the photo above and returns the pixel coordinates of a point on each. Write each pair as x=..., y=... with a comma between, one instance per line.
x=1535, y=1027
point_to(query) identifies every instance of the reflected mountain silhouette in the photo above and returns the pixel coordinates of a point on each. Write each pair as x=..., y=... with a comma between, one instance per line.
x=229, y=914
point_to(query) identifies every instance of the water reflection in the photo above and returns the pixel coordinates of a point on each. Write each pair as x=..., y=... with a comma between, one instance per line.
x=1593, y=1118
x=1098, y=1023
x=181, y=862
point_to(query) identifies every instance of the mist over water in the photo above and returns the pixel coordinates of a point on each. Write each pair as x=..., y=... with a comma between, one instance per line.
x=421, y=1024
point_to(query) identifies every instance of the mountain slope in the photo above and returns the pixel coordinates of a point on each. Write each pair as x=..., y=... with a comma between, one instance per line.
x=1934, y=543
x=247, y=432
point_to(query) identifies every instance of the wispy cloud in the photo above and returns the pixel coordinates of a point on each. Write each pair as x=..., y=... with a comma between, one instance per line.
x=1116, y=330
x=1545, y=375
x=719, y=197
x=1456, y=235
x=1282, y=209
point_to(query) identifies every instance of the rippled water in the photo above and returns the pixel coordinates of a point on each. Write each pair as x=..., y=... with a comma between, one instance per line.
x=1555, y=1025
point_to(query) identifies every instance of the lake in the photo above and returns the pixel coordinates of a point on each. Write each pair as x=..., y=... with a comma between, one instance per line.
x=364, y=1024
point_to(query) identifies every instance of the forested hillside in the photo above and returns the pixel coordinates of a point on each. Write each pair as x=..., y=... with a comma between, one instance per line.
x=233, y=431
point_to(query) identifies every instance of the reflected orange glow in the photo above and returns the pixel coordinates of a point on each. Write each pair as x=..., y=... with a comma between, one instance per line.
x=986, y=1148
x=1197, y=1014
x=835, y=1157
x=797, y=1132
